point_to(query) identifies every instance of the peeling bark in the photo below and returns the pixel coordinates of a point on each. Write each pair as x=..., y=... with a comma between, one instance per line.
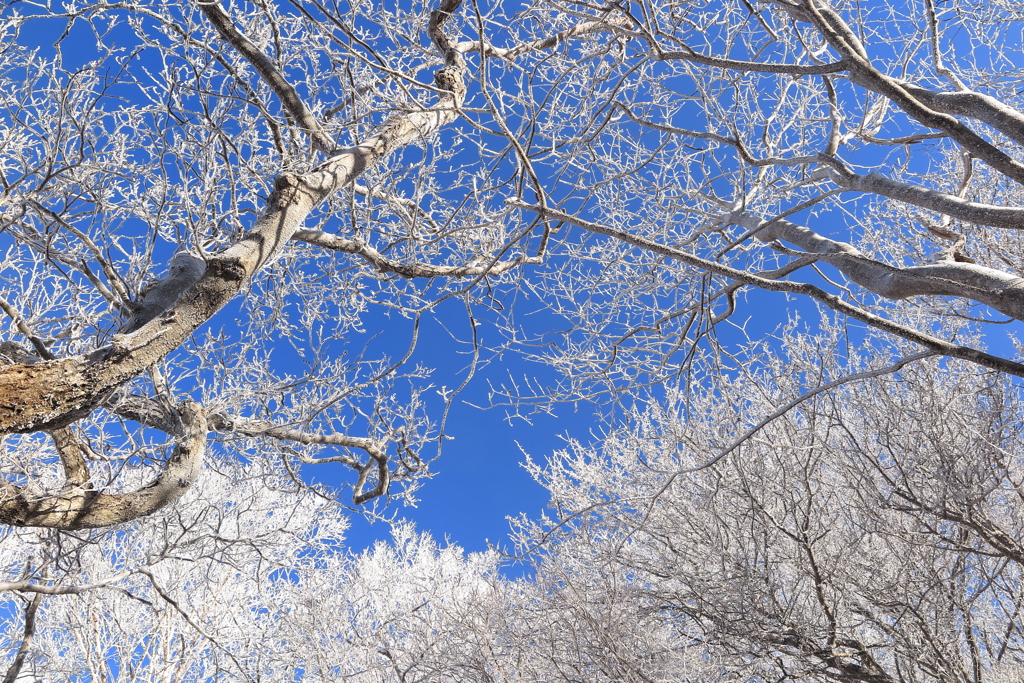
x=184, y=270
x=52, y=394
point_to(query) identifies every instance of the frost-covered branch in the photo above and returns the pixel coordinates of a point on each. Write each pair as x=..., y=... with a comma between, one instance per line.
x=79, y=506
x=382, y=264
x=54, y=393
x=1002, y=291
x=834, y=302
x=270, y=74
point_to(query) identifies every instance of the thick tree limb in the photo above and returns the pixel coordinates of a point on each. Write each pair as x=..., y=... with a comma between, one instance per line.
x=72, y=451
x=1002, y=291
x=1011, y=218
x=843, y=39
x=184, y=270
x=52, y=394
x=79, y=507
x=975, y=105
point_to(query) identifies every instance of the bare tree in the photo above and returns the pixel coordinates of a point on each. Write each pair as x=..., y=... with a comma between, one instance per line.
x=872, y=533
x=634, y=171
x=200, y=601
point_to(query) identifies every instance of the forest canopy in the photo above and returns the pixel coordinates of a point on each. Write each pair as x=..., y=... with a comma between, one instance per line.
x=772, y=246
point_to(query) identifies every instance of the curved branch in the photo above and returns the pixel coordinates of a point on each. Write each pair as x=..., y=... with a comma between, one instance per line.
x=78, y=507
x=258, y=428
x=933, y=29
x=842, y=38
x=72, y=452
x=28, y=586
x=665, y=128
x=378, y=460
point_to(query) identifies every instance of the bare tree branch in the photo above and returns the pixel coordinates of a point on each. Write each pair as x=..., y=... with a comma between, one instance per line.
x=978, y=106
x=269, y=73
x=839, y=34
x=830, y=300
x=1011, y=218
x=54, y=393
x=757, y=67
x=28, y=586
x=867, y=374
x=26, y=640
x=1002, y=291
x=25, y=330
x=612, y=24
x=76, y=507
x=261, y=428
x=409, y=270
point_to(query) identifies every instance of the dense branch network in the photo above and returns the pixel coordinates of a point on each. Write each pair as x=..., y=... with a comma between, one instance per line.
x=47, y=393
x=52, y=393
x=821, y=484
x=55, y=392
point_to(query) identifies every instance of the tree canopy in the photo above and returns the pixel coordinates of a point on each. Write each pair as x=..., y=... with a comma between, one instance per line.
x=774, y=246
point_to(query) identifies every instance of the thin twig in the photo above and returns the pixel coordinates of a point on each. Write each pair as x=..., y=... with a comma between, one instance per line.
x=895, y=367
